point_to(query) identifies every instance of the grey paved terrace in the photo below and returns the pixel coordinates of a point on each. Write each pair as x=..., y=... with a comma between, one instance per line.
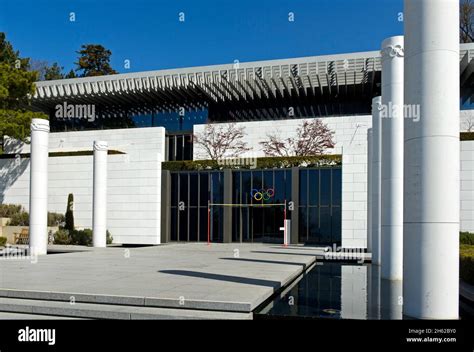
x=220, y=277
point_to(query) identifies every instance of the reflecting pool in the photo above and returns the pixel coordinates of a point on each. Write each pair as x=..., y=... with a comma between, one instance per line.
x=336, y=290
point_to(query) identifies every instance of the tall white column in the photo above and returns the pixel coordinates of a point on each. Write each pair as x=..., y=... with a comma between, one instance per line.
x=392, y=158
x=39, y=187
x=431, y=204
x=369, y=190
x=376, y=178
x=99, y=206
x=391, y=301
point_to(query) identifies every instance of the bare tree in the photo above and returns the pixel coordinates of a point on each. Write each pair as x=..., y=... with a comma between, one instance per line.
x=469, y=124
x=466, y=21
x=222, y=141
x=312, y=138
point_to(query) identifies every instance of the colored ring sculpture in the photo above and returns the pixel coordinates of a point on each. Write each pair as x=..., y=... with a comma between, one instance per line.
x=262, y=194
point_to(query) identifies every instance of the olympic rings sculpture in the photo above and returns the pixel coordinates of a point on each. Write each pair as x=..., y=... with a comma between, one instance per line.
x=262, y=194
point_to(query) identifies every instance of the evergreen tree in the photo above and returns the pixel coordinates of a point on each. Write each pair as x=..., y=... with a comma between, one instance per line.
x=16, y=87
x=94, y=60
x=69, y=223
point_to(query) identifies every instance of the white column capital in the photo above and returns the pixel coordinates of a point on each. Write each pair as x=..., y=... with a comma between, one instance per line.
x=41, y=125
x=100, y=145
x=393, y=47
x=377, y=103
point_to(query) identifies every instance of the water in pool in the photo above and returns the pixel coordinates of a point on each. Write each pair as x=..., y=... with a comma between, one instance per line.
x=337, y=290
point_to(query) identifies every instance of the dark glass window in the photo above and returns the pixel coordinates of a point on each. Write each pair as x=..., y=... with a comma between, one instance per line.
x=171, y=148
x=313, y=224
x=174, y=189
x=236, y=224
x=257, y=185
x=246, y=187
x=336, y=222
x=325, y=224
x=245, y=224
x=174, y=224
x=303, y=225
x=193, y=224
x=313, y=187
x=279, y=187
x=194, y=189
x=204, y=188
x=193, y=184
x=203, y=224
x=236, y=187
x=325, y=190
x=183, y=224
x=179, y=148
x=217, y=187
x=303, y=187
x=183, y=188
x=336, y=187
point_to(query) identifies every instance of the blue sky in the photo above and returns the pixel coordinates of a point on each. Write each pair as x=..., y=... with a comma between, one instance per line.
x=150, y=35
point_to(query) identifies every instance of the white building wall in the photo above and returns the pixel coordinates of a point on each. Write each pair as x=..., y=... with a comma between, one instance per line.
x=354, y=196
x=467, y=186
x=349, y=130
x=134, y=180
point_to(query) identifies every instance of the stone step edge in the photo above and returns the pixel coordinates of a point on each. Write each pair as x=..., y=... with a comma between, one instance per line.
x=152, y=302
x=104, y=311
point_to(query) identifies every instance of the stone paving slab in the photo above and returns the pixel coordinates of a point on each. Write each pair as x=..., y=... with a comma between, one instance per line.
x=220, y=277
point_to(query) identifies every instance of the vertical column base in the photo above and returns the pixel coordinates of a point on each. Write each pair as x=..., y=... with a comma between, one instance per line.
x=431, y=286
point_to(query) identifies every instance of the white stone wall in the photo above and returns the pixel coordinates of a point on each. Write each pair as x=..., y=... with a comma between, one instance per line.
x=350, y=140
x=134, y=180
x=349, y=130
x=354, y=196
x=467, y=186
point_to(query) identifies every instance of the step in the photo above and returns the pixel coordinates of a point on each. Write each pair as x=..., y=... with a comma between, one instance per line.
x=108, y=311
x=152, y=302
x=22, y=316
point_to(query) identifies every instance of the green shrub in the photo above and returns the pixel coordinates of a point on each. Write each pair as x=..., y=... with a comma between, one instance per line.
x=3, y=241
x=81, y=237
x=69, y=225
x=466, y=265
x=262, y=163
x=62, y=237
x=466, y=238
x=110, y=239
x=77, y=237
x=56, y=219
x=19, y=219
x=22, y=218
x=8, y=210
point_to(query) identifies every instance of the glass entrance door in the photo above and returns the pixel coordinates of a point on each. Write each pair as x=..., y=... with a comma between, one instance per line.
x=259, y=197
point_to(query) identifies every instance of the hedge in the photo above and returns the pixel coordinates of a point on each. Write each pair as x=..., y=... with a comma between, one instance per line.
x=19, y=217
x=8, y=210
x=3, y=241
x=77, y=237
x=61, y=154
x=466, y=263
x=466, y=238
x=467, y=136
x=262, y=163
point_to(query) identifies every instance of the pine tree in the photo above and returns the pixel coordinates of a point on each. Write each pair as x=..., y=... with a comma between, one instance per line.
x=69, y=225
